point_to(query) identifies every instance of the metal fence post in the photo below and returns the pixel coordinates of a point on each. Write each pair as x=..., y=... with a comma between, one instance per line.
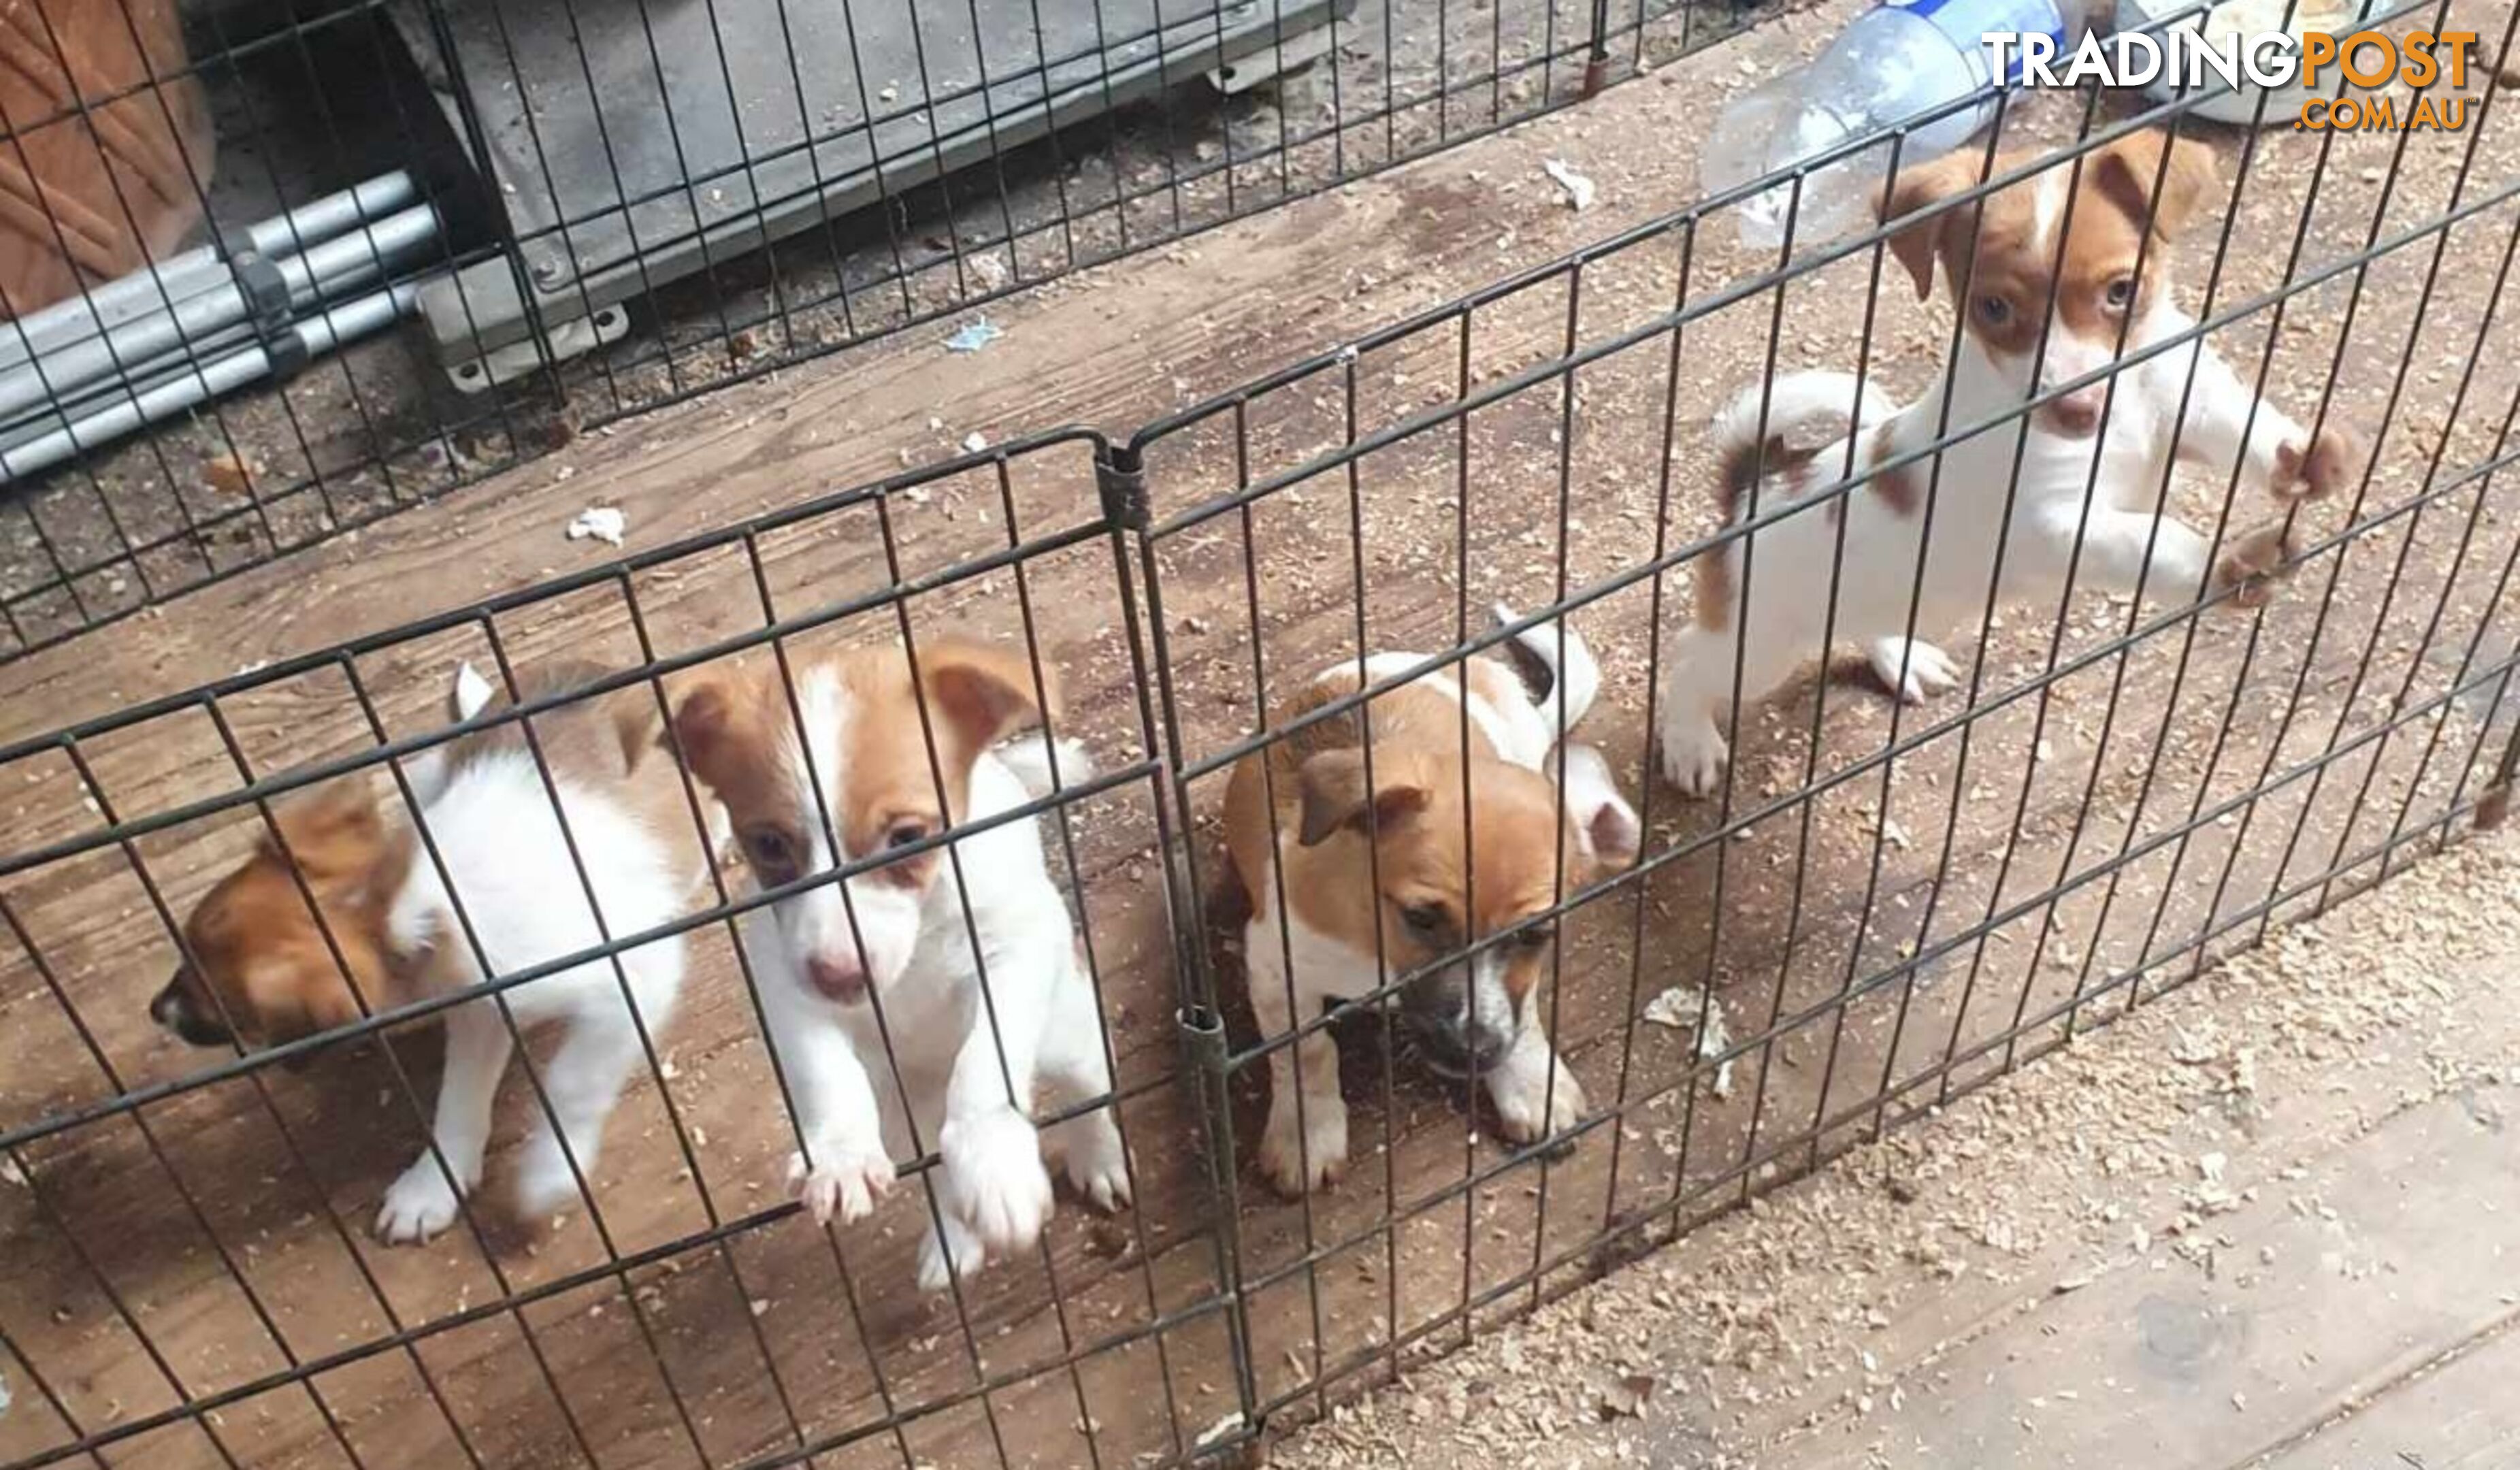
x=1121, y=477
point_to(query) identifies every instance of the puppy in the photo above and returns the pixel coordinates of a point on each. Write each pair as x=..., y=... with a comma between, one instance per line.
x=872, y=987
x=2006, y=269
x=258, y=970
x=1408, y=862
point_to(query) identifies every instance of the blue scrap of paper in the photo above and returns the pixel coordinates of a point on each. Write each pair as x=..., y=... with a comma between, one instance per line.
x=974, y=335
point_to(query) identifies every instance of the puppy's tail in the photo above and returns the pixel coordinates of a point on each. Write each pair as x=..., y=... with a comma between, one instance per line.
x=1028, y=756
x=1563, y=683
x=1786, y=402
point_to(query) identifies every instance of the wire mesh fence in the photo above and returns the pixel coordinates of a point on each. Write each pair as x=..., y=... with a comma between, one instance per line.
x=1422, y=950
x=589, y=211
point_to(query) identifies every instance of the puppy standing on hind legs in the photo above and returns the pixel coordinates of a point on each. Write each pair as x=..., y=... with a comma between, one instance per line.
x=1302, y=818
x=906, y=1006
x=2051, y=273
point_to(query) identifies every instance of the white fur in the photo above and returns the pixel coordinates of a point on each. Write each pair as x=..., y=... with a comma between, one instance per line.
x=2124, y=538
x=493, y=823
x=963, y=1087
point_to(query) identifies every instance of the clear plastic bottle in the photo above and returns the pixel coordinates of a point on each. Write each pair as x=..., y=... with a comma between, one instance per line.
x=1897, y=61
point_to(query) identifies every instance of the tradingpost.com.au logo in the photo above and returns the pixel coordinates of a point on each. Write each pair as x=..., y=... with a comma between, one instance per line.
x=2272, y=60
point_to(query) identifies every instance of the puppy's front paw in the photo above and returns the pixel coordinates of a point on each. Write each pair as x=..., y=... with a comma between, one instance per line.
x=994, y=1181
x=949, y=1253
x=1098, y=1164
x=2252, y=562
x=1694, y=755
x=420, y=1203
x=2322, y=469
x=1299, y=1160
x=1530, y=1107
x=841, y=1181
x=1913, y=669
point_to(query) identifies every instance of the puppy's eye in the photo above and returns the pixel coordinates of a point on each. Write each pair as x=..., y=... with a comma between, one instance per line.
x=1426, y=920
x=1994, y=311
x=771, y=854
x=904, y=833
x=2121, y=292
x=1537, y=937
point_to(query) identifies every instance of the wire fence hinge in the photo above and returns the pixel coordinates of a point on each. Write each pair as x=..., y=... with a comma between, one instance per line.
x=1121, y=476
x=1203, y=1033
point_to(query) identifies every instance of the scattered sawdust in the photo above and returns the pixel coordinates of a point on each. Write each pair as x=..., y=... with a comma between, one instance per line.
x=1762, y=1326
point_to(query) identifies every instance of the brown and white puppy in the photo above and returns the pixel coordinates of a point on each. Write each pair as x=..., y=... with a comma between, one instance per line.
x=2051, y=272
x=259, y=964
x=1442, y=849
x=872, y=986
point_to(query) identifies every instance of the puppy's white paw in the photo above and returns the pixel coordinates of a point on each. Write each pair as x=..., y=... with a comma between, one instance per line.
x=950, y=1255
x=545, y=1185
x=993, y=1179
x=1913, y=669
x=841, y=1181
x=419, y=1205
x=1530, y=1107
x=1097, y=1163
x=1694, y=754
x=1297, y=1161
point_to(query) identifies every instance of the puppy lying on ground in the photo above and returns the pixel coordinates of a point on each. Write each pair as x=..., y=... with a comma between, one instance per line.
x=1411, y=862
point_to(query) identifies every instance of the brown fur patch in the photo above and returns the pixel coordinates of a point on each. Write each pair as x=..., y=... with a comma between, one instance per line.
x=256, y=958
x=1485, y=858
x=2001, y=254
x=739, y=732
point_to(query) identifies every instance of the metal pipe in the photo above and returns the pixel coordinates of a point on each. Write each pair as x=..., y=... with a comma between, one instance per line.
x=138, y=378
x=202, y=268
x=345, y=261
x=317, y=335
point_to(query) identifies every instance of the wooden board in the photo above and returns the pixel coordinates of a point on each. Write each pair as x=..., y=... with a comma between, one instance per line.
x=2457, y=1415
x=2337, y=1285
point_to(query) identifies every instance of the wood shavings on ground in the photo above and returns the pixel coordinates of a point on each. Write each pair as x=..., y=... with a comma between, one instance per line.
x=1578, y=189
x=604, y=523
x=1680, y=1009
x=1784, y=1333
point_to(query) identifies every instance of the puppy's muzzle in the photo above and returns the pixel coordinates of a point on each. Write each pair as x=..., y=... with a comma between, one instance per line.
x=1449, y=1032
x=174, y=1009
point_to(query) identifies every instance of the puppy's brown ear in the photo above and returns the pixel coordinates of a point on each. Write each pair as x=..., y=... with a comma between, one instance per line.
x=983, y=691
x=333, y=833
x=1922, y=185
x=2160, y=194
x=1335, y=799
x=704, y=728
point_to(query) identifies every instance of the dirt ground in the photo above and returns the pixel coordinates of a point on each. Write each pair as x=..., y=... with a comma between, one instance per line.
x=2267, y=1221
x=2108, y=824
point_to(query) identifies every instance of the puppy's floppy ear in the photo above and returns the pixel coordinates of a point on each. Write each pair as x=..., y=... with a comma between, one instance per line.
x=333, y=833
x=704, y=725
x=985, y=692
x=1922, y=185
x=2127, y=171
x=1335, y=796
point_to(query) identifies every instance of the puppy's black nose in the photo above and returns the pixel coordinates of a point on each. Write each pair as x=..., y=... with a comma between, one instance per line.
x=174, y=1010
x=1459, y=1047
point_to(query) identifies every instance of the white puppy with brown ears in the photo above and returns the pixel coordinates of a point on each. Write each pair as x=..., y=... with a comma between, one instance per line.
x=836, y=773
x=260, y=964
x=1386, y=875
x=2048, y=272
